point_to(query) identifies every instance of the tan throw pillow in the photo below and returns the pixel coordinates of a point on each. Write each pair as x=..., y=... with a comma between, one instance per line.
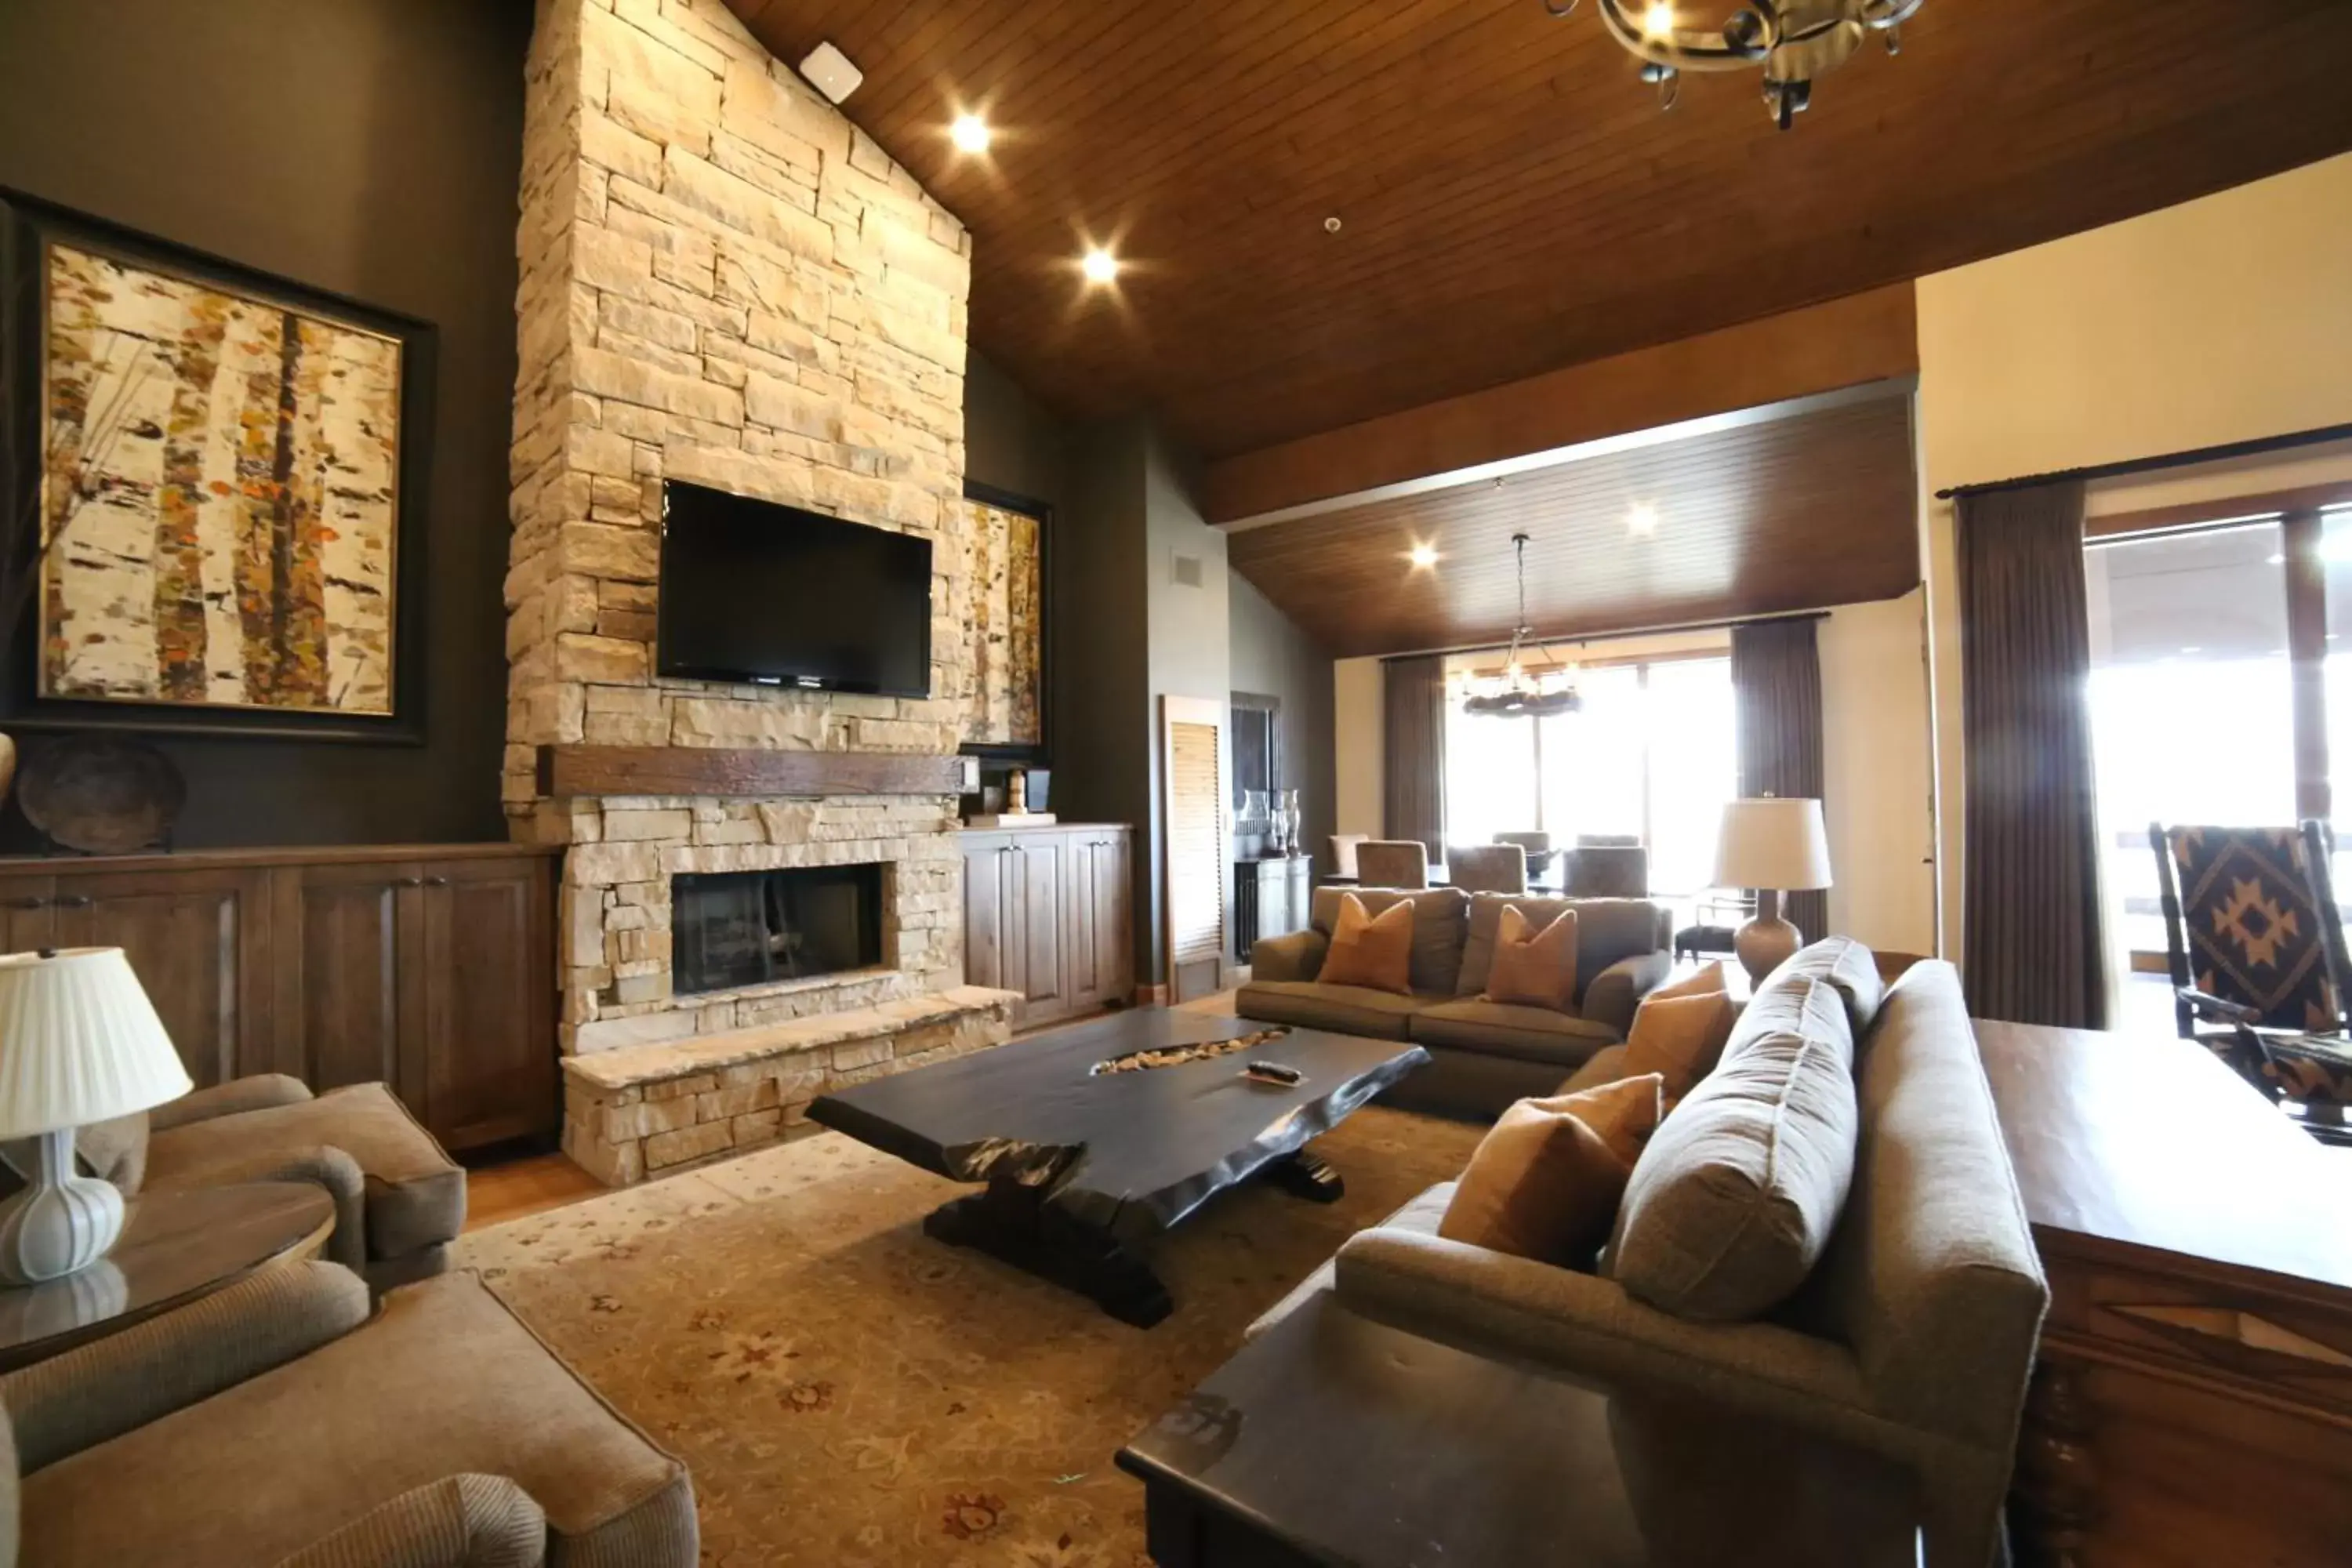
x=1709, y=981
x=1374, y=953
x=1534, y=968
x=1546, y=1180
x=1679, y=1037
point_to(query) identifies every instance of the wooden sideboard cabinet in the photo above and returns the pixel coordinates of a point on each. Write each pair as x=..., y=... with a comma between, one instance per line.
x=1271, y=898
x=431, y=968
x=1049, y=912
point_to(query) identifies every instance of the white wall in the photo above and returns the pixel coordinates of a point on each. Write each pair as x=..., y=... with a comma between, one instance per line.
x=1358, y=708
x=1875, y=762
x=2224, y=319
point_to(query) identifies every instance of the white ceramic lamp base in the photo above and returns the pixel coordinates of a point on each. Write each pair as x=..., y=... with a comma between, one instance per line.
x=61, y=1224
x=1767, y=942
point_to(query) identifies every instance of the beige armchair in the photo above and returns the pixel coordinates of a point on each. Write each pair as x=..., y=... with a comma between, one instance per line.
x=400, y=1201
x=277, y=1423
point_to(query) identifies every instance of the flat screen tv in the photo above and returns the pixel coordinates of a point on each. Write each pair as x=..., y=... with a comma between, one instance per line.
x=758, y=591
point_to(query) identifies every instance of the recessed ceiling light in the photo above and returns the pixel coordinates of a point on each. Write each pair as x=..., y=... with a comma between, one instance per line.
x=1642, y=519
x=1423, y=556
x=970, y=133
x=1099, y=265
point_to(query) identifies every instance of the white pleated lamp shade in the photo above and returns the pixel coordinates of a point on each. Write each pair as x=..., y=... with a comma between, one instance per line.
x=79, y=1042
x=1768, y=842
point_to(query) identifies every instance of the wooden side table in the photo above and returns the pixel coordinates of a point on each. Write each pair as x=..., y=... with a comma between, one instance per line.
x=177, y=1248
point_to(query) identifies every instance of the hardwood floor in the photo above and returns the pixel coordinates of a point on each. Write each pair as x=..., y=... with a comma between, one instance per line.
x=531, y=1185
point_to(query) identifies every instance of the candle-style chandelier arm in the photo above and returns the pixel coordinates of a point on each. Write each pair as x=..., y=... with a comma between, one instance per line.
x=1792, y=41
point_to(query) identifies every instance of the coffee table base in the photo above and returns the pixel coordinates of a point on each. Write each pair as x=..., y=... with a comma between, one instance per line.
x=1013, y=1223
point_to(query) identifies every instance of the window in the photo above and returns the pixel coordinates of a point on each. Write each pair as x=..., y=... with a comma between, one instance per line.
x=1652, y=752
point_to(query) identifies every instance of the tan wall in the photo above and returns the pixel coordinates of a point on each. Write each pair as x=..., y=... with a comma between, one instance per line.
x=2224, y=319
x=1356, y=729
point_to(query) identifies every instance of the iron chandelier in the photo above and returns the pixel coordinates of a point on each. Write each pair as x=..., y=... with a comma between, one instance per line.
x=1518, y=694
x=1792, y=40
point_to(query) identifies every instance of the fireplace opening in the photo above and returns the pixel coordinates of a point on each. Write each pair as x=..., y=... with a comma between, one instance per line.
x=731, y=929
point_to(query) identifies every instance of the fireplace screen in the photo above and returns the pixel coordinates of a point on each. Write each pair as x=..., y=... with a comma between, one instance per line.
x=732, y=928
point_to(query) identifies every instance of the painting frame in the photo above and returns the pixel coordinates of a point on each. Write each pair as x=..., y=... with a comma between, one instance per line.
x=1040, y=752
x=29, y=229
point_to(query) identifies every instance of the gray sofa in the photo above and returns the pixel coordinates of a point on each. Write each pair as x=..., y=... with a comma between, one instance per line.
x=1483, y=1054
x=1913, y=1335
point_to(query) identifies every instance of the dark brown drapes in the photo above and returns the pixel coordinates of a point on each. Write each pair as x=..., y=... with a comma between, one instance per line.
x=1414, y=752
x=2032, y=950
x=1776, y=681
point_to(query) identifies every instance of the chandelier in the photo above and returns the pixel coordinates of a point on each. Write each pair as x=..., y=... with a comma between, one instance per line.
x=1792, y=40
x=1517, y=694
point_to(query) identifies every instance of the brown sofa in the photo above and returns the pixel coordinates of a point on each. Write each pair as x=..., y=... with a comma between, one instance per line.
x=278, y=1422
x=1483, y=1054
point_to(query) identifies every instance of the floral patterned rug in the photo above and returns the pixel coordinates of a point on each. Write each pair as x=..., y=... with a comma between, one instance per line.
x=849, y=1392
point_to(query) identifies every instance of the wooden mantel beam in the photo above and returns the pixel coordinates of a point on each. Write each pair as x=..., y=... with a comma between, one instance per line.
x=1851, y=341
x=743, y=772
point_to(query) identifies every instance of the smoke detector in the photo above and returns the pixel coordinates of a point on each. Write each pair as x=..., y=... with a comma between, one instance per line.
x=829, y=71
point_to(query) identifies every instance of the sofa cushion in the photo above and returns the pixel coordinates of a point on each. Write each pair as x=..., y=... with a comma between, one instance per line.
x=1535, y=966
x=415, y=1194
x=1735, y=1199
x=1606, y=1065
x=445, y=1381
x=1420, y=1215
x=1545, y=1181
x=1846, y=964
x=1375, y=954
x=1346, y=1009
x=1500, y=1028
x=1437, y=919
x=1606, y=931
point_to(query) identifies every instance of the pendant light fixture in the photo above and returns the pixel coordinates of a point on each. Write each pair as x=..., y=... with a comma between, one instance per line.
x=1518, y=694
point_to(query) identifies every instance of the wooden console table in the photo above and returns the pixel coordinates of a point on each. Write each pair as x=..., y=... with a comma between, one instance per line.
x=2192, y=1399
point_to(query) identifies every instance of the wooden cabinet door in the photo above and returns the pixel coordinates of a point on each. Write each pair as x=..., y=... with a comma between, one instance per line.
x=357, y=1012
x=489, y=1065
x=1098, y=939
x=27, y=923
x=195, y=941
x=983, y=912
x=1032, y=925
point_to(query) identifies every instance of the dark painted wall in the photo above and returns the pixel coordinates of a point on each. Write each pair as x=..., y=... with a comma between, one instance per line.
x=371, y=148
x=1272, y=654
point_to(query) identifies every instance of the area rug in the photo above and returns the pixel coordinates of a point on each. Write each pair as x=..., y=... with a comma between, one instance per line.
x=848, y=1392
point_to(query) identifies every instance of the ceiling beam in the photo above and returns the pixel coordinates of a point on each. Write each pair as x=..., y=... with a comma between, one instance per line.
x=1862, y=338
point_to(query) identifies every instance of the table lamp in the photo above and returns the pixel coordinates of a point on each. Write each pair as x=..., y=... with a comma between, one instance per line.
x=1775, y=846
x=79, y=1043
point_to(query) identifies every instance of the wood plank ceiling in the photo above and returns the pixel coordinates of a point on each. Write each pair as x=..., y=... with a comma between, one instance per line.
x=1817, y=507
x=1511, y=199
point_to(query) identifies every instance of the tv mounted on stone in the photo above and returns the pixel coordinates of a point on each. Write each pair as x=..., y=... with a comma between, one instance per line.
x=760, y=593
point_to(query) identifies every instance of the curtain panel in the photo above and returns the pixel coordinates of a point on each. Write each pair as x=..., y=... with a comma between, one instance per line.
x=1414, y=752
x=1776, y=682
x=2032, y=947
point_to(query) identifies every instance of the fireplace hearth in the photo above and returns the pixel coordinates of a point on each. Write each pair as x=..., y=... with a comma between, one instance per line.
x=734, y=928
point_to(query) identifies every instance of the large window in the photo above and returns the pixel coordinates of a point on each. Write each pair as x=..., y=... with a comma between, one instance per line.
x=1652, y=754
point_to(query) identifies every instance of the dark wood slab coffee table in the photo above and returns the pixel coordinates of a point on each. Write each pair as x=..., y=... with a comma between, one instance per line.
x=1084, y=1169
x=1334, y=1441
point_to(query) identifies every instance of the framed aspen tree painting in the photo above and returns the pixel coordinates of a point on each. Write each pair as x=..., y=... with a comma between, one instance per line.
x=1007, y=691
x=213, y=478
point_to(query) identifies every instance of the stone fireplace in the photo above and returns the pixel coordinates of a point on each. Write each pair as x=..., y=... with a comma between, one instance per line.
x=723, y=281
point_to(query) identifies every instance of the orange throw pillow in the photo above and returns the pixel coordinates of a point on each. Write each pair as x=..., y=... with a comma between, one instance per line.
x=1679, y=1032
x=1534, y=968
x=1545, y=1181
x=1374, y=953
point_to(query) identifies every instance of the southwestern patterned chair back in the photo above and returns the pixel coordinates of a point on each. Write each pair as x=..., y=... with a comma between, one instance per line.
x=2255, y=946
